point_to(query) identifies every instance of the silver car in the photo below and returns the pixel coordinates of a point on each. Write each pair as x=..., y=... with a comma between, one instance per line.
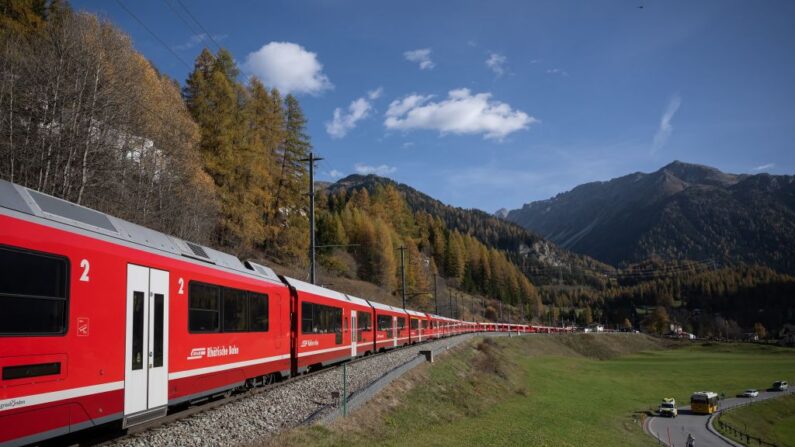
x=750, y=393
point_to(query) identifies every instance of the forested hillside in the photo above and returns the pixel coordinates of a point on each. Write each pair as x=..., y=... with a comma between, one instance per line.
x=87, y=118
x=374, y=225
x=539, y=259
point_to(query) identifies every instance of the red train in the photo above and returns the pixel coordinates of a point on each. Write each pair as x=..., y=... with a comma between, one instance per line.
x=106, y=321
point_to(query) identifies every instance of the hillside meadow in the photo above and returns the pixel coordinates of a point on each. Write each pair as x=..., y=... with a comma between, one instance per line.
x=575, y=390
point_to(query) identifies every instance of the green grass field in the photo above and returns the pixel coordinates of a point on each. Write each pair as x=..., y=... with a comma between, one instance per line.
x=579, y=390
x=773, y=421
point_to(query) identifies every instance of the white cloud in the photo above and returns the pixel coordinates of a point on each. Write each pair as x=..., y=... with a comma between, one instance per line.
x=288, y=67
x=496, y=62
x=764, y=167
x=460, y=113
x=666, y=129
x=335, y=173
x=375, y=94
x=197, y=39
x=382, y=170
x=557, y=71
x=422, y=56
x=359, y=109
x=343, y=122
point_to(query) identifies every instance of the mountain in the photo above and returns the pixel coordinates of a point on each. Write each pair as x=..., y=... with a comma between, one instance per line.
x=682, y=211
x=539, y=258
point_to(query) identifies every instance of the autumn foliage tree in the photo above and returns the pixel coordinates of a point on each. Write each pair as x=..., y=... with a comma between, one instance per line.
x=87, y=118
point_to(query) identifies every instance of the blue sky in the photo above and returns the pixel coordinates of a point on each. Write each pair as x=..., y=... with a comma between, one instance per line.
x=494, y=104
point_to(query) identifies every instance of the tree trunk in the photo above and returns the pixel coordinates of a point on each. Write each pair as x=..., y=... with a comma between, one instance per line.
x=87, y=147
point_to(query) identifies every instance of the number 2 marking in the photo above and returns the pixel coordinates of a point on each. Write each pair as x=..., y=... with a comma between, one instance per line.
x=86, y=267
x=181, y=286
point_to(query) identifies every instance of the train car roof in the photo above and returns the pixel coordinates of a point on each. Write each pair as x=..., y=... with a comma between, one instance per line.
x=357, y=300
x=81, y=219
x=414, y=313
x=387, y=307
x=314, y=289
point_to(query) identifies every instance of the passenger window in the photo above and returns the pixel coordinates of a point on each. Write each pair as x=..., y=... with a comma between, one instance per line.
x=320, y=319
x=33, y=293
x=204, y=308
x=258, y=312
x=235, y=310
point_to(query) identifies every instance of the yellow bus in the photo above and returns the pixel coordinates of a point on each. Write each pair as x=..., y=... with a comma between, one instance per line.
x=704, y=402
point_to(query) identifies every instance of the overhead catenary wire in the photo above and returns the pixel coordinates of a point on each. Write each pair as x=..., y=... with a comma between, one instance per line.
x=161, y=41
x=209, y=36
x=195, y=31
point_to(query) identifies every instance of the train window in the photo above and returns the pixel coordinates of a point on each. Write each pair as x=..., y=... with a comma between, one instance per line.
x=157, y=361
x=415, y=324
x=204, y=308
x=238, y=310
x=320, y=319
x=258, y=312
x=401, y=323
x=33, y=293
x=365, y=320
x=235, y=310
x=137, y=353
x=384, y=322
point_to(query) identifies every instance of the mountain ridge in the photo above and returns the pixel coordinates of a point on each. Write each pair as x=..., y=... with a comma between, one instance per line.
x=680, y=211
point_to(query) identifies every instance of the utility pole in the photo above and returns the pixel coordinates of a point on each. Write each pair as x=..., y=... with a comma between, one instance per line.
x=403, y=273
x=450, y=303
x=312, y=159
x=436, y=293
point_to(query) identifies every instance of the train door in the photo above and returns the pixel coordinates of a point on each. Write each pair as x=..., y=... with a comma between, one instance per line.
x=354, y=333
x=395, y=332
x=146, y=359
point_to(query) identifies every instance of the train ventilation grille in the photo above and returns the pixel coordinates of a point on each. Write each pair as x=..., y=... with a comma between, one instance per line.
x=197, y=250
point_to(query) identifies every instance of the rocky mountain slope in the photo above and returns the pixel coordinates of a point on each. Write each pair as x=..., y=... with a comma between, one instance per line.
x=682, y=211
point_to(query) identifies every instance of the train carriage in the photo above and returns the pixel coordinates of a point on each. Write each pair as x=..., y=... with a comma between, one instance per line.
x=323, y=334
x=418, y=323
x=98, y=323
x=387, y=333
x=362, y=317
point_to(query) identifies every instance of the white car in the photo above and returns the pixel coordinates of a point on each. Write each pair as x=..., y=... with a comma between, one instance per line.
x=750, y=393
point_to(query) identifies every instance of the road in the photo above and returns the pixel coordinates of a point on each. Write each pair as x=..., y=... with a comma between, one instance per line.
x=685, y=423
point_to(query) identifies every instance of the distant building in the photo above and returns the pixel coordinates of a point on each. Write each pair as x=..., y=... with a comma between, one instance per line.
x=786, y=336
x=750, y=336
x=595, y=327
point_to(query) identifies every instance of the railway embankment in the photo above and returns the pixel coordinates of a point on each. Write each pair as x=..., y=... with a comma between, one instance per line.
x=254, y=419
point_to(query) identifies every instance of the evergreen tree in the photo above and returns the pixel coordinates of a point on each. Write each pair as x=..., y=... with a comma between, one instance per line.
x=289, y=208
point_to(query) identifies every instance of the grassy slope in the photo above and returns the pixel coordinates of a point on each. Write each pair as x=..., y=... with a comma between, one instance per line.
x=579, y=390
x=773, y=421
